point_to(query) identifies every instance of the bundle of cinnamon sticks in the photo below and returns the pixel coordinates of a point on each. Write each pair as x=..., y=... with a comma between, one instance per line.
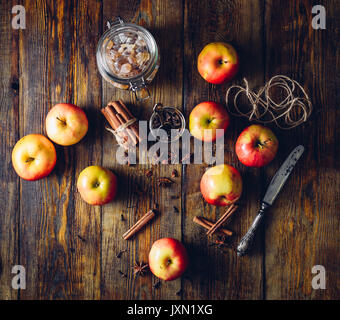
x=123, y=123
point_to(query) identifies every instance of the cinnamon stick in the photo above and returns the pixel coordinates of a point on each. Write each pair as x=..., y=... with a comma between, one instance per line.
x=232, y=208
x=121, y=108
x=113, y=121
x=126, y=110
x=111, y=117
x=139, y=224
x=208, y=224
x=129, y=132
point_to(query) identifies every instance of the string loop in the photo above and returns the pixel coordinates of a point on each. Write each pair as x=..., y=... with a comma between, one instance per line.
x=294, y=108
x=121, y=140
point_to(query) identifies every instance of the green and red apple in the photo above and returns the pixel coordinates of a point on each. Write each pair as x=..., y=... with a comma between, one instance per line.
x=66, y=124
x=218, y=62
x=168, y=259
x=221, y=185
x=33, y=157
x=206, y=118
x=97, y=185
x=256, y=146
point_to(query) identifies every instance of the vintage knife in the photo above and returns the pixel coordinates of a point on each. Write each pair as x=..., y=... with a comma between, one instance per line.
x=273, y=190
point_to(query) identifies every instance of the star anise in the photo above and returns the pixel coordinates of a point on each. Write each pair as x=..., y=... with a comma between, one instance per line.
x=219, y=242
x=139, y=269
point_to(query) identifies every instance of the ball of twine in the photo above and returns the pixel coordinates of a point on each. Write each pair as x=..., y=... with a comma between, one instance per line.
x=294, y=108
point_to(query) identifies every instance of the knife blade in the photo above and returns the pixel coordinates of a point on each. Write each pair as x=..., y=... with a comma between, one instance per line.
x=282, y=175
x=273, y=190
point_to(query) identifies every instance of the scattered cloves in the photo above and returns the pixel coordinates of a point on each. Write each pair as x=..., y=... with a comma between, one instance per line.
x=137, y=190
x=164, y=182
x=176, y=209
x=119, y=254
x=157, y=285
x=123, y=275
x=155, y=206
x=81, y=238
x=174, y=173
x=148, y=173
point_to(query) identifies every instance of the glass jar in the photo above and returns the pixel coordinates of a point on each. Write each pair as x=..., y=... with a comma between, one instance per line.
x=128, y=57
x=169, y=119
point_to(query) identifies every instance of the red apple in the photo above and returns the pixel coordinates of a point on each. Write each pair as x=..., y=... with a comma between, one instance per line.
x=205, y=118
x=33, y=157
x=256, y=146
x=221, y=185
x=218, y=62
x=168, y=259
x=66, y=124
x=97, y=185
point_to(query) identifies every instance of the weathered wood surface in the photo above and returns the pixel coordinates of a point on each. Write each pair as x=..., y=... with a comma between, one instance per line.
x=302, y=229
x=69, y=248
x=9, y=131
x=164, y=20
x=214, y=274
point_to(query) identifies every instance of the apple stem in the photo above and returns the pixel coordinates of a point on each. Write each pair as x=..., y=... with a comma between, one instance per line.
x=261, y=145
x=62, y=121
x=30, y=159
x=223, y=61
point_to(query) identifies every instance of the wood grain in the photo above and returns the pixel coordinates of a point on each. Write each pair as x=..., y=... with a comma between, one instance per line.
x=58, y=66
x=37, y=199
x=164, y=21
x=215, y=274
x=69, y=249
x=85, y=220
x=9, y=133
x=302, y=232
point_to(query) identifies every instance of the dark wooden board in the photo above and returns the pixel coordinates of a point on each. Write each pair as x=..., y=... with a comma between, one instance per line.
x=56, y=66
x=69, y=249
x=215, y=274
x=302, y=228
x=9, y=133
x=164, y=20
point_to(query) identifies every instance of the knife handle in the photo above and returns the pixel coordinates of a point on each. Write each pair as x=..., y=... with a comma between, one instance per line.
x=248, y=239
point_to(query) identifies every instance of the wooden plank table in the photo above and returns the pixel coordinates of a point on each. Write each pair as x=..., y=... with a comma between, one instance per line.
x=69, y=248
